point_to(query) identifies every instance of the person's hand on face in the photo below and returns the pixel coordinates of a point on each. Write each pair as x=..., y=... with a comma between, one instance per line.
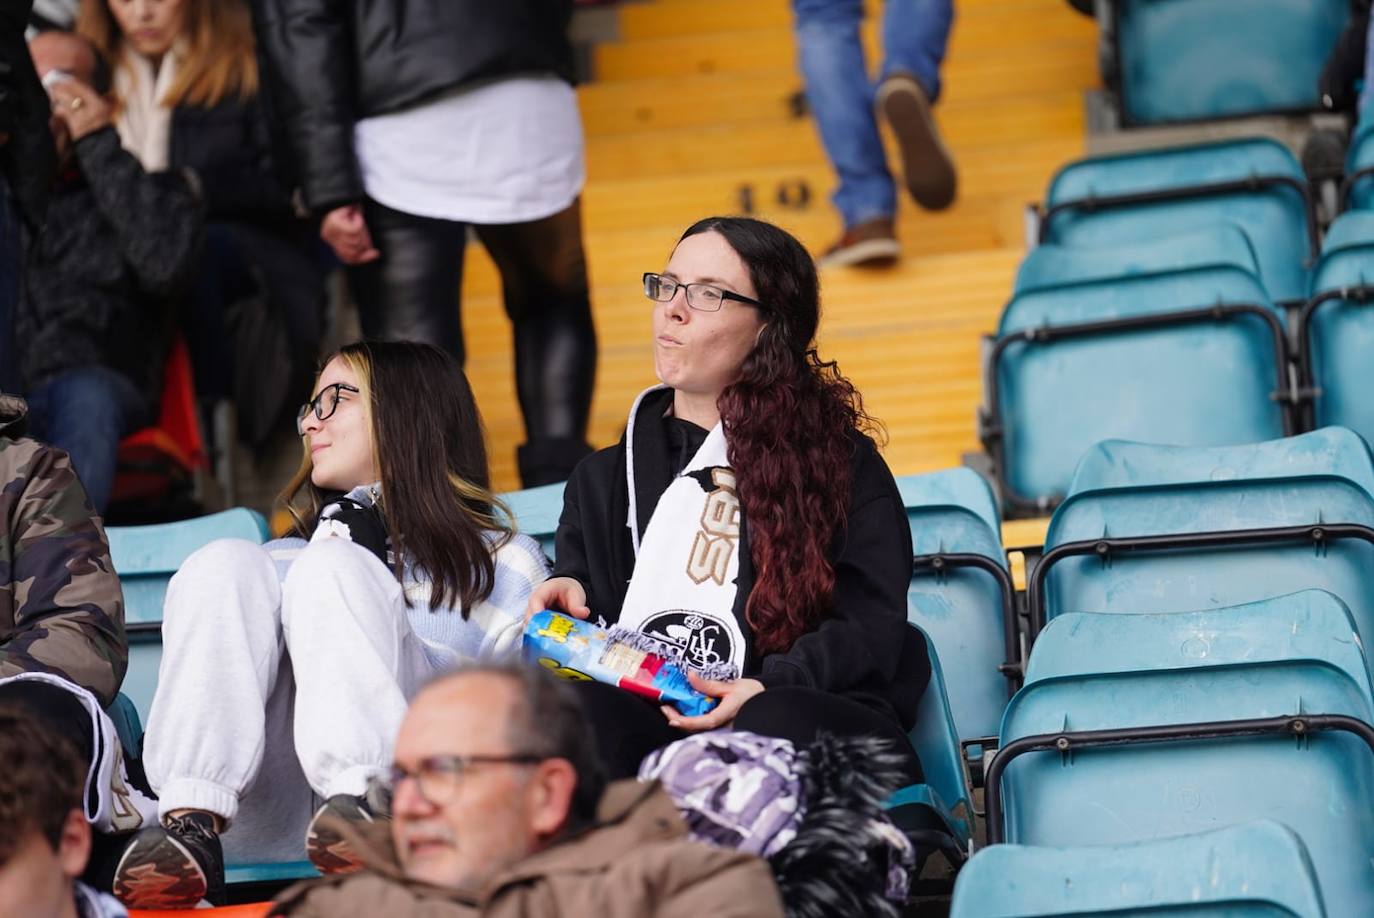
x=732, y=697
x=345, y=230
x=83, y=110
x=562, y=594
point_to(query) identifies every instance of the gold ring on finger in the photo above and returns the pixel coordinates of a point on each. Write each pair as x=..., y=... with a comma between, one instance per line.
x=76, y=103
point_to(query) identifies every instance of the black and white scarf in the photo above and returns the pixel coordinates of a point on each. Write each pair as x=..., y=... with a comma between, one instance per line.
x=683, y=588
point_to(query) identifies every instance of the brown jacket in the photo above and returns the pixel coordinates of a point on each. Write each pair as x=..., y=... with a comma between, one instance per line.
x=636, y=862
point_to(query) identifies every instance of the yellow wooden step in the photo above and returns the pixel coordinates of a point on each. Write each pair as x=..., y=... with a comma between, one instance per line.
x=1041, y=18
x=1004, y=60
x=726, y=98
x=744, y=146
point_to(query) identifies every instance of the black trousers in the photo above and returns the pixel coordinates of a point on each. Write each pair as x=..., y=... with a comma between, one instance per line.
x=412, y=293
x=628, y=727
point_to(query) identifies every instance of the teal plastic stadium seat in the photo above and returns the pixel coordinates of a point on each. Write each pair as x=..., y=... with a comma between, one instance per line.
x=1339, y=334
x=960, y=608
x=1257, y=869
x=1360, y=157
x=1274, y=214
x=536, y=512
x=1191, y=60
x=1333, y=452
x=1054, y=265
x=125, y=718
x=283, y=872
x=1321, y=786
x=1201, y=383
x=1308, y=625
x=937, y=747
x=146, y=557
x=1130, y=490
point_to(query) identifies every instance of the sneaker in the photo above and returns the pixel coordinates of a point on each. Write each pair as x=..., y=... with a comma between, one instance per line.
x=327, y=849
x=870, y=244
x=926, y=164
x=177, y=865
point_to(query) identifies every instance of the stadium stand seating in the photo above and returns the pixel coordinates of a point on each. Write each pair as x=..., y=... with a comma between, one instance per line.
x=1152, y=194
x=1179, y=733
x=1156, y=529
x=1335, y=332
x=961, y=594
x=157, y=464
x=686, y=114
x=537, y=510
x=146, y=557
x=944, y=794
x=1188, y=60
x=1053, y=265
x=1258, y=869
x=1191, y=356
x=1358, y=191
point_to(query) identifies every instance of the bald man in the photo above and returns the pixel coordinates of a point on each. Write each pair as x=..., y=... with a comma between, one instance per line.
x=499, y=810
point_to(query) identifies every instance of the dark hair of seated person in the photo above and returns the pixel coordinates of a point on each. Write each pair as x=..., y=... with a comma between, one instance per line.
x=41, y=781
x=790, y=418
x=436, y=498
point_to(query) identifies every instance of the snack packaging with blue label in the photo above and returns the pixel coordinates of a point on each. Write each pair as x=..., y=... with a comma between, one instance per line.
x=576, y=649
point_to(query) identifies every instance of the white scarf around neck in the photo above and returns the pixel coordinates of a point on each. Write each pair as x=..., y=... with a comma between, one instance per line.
x=144, y=123
x=686, y=569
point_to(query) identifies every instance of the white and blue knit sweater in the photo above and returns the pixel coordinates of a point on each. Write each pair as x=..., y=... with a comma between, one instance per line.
x=492, y=629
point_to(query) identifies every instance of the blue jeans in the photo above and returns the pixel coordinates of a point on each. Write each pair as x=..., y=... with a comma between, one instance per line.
x=86, y=412
x=840, y=94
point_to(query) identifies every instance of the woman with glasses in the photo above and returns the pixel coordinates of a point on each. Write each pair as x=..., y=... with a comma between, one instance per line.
x=745, y=519
x=287, y=667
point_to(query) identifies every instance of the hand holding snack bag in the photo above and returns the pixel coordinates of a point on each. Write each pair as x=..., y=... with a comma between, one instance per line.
x=635, y=662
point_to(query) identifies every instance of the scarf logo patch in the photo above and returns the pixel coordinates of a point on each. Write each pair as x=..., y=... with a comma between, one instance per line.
x=704, y=639
x=714, y=545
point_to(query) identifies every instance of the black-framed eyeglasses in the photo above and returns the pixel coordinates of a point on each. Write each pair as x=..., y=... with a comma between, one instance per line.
x=438, y=777
x=323, y=405
x=703, y=297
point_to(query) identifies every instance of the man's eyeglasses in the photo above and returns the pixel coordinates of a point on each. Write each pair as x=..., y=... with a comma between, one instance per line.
x=703, y=297
x=438, y=777
x=323, y=405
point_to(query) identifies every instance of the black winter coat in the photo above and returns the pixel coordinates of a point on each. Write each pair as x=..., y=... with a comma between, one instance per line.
x=229, y=147
x=28, y=160
x=335, y=62
x=863, y=650
x=273, y=338
x=101, y=275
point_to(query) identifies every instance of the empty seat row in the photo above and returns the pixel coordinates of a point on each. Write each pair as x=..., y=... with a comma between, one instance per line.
x=1189, y=60
x=1181, y=297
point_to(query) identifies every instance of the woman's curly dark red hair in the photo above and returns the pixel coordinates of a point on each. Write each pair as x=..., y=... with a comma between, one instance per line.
x=790, y=420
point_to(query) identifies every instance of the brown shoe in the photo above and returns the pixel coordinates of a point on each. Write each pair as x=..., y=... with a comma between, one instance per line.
x=871, y=244
x=926, y=164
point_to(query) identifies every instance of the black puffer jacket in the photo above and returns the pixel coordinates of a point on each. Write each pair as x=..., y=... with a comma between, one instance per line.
x=334, y=62
x=229, y=147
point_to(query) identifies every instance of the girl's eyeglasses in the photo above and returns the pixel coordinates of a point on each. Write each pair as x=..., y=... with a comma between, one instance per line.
x=323, y=405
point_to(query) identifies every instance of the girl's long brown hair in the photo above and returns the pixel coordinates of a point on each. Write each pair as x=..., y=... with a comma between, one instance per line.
x=430, y=453
x=790, y=420
x=219, y=60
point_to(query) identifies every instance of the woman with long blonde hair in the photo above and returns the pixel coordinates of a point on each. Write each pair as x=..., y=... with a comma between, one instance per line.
x=189, y=95
x=287, y=667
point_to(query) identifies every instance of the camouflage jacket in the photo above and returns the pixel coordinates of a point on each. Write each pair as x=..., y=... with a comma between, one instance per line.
x=61, y=609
